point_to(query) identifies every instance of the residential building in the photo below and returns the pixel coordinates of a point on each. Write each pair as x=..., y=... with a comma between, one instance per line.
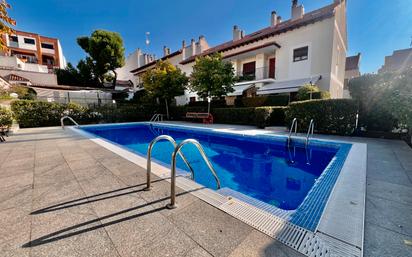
x=351, y=71
x=16, y=76
x=177, y=58
x=4, y=84
x=133, y=61
x=308, y=48
x=34, y=49
x=398, y=61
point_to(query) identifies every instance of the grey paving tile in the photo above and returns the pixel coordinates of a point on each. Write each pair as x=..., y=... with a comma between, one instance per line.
x=385, y=243
x=69, y=232
x=389, y=191
x=387, y=174
x=389, y=214
x=15, y=197
x=15, y=230
x=16, y=178
x=213, y=229
x=18, y=163
x=258, y=244
x=159, y=196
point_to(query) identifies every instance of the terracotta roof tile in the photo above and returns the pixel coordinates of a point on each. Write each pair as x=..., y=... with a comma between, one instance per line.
x=308, y=18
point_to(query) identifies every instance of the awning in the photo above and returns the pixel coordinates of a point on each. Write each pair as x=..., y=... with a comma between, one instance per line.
x=240, y=89
x=286, y=86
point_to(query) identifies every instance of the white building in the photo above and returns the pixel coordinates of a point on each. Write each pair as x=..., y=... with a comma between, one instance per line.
x=307, y=48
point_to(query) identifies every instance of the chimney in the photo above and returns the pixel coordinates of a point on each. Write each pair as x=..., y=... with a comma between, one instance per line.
x=297, y=10
x=165, y=51
x=203, y=45
x=183, y=50
x=193, y=47
x=273, y=19
x=279, y=20
x=237, y=33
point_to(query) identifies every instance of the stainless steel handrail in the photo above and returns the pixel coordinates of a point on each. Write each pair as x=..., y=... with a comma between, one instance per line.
x=294, y=124
x=172, y=203
x=67, y=117
x=310, y=131
x=149, y=158
x=157, y=117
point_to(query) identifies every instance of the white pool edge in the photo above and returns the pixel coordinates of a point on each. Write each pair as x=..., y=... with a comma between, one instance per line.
x=331, y=232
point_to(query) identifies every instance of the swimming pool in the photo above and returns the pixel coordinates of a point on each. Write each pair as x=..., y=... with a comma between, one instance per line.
x=294, y=180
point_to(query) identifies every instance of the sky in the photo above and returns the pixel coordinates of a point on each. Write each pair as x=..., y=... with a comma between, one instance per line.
x=375, y=27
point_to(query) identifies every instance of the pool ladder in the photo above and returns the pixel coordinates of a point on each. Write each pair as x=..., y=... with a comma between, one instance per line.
x=69, y=118
x=156, y=117
x=294, y=128
x=309, y=134
x=177, y=151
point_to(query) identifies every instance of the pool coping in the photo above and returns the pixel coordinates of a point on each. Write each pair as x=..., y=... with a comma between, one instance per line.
x=341, y=225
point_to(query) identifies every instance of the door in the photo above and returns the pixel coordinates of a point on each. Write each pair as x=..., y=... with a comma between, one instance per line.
x=272, y=67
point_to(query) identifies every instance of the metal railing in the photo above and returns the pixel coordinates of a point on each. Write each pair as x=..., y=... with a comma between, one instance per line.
x=256, y=74
x=149, y=158
x=310, y=132
x=70, y=118
x=172, y=203
x=156, y=117
x=295, y=125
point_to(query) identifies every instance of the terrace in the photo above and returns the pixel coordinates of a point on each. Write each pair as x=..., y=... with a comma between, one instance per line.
x=65, y=195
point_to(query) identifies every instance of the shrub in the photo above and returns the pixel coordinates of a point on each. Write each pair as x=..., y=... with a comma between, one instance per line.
x=240, y=116
x=270, y=116
x=37, y=113
x=332, y=116
x=23, y=92
x=273, y=100
x=214, y=103
x=6, y=117
x=309, y=92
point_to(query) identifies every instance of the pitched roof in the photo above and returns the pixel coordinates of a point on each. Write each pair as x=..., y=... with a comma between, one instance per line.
x=309, y=18
x=154, y=62
x=352, y=62
x=14, y=77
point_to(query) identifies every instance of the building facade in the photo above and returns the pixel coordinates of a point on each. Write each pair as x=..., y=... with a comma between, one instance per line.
x=352, y=70
x=308, y=48
x=38, y=53
x=398, y=61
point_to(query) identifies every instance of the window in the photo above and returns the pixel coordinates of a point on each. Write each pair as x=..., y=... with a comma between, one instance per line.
x=193, y=99
x=13, y=39
x=300, y=54
x=249, y=68
x=47, y=46
x=29, y=41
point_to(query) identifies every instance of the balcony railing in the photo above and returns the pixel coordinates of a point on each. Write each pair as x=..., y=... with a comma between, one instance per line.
x=257, y=74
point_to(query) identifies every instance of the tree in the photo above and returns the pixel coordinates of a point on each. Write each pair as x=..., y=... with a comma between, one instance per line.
x=212, y=77
x=106, y=53
x=67, y=76
x=5, y=23
x=165, y=81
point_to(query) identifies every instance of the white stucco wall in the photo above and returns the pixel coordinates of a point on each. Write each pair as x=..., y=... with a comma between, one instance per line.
x=36, y=78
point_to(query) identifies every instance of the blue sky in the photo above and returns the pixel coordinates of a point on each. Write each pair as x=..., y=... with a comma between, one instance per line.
x=375, y=28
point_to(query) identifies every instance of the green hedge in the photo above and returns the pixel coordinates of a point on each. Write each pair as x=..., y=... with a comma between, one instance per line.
x=332, y=116
x=43, y=114
x=274, y=100
x=270, y=116
x=6, y=117
x=239, y=116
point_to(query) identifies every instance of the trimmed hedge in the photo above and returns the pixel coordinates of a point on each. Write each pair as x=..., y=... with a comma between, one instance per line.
x=43, y=114
x=6, y=117
x=215, y=103
x=274, y=100
x=332, y=116
x=270, y=116
x=239, y=116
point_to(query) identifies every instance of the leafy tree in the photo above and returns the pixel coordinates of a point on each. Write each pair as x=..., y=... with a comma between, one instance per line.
x=212, y=77
x=5, y=23
x=67, y=76
x=85, y=70
x=106, y=53
x=165, y=81
x=305, y=92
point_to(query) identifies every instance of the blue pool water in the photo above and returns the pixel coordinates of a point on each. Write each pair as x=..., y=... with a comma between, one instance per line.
x=258, y=166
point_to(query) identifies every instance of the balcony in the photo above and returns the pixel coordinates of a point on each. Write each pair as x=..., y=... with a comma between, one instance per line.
x=256, y=74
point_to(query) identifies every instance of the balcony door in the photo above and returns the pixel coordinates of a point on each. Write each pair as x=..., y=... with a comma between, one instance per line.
x=249, y=68
x=272, y=67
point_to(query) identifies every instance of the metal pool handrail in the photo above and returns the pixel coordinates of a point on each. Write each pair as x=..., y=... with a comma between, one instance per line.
x=70, y=118
x=172, y=203
x=310, y=132
x=294, y=124
x=149, y=157
x=156, y=117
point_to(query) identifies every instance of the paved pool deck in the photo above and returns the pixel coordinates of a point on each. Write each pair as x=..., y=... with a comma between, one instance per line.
x=63, y=195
